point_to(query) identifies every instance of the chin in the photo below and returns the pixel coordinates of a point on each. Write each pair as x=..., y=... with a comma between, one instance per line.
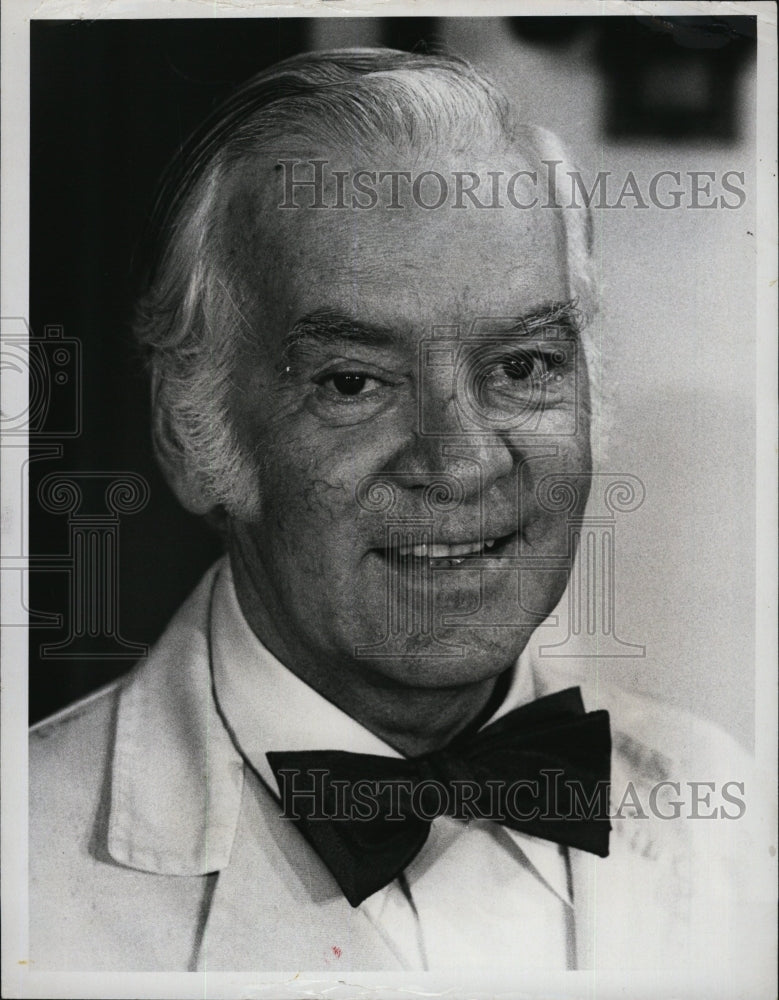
x=453, y=658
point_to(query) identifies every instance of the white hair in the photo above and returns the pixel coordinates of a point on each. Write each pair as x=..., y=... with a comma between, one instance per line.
x=189, y=318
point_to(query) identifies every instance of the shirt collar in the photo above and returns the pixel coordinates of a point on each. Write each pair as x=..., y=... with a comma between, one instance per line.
x=176, y=779
x=267, y=707
x=177, y=774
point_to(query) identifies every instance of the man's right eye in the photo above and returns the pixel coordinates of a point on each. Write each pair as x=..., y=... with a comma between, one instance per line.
x=349, y=383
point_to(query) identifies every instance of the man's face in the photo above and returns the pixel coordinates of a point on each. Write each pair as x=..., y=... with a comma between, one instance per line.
x=355, y=404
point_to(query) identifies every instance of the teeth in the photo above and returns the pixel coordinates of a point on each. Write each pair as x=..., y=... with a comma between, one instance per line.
x=425, y=551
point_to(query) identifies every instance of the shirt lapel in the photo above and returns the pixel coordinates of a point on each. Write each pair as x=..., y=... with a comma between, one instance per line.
x=276, y=907
x=629, y=908
x=176, y=778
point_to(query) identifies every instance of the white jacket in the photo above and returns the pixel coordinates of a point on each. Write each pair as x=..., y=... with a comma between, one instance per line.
x=152, y=846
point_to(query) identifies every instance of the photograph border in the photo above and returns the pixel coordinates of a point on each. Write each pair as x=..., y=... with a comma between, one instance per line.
x=21, y=980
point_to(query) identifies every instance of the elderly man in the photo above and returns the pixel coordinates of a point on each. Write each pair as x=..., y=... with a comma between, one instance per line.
x=367, y=340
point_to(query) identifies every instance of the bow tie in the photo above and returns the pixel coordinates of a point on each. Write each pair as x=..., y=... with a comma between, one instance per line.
x=542, y=769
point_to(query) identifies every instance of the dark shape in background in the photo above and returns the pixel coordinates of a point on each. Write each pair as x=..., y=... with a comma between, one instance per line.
x=411, y=34
x=668, y=78
x=553, y=32
x=674, y=78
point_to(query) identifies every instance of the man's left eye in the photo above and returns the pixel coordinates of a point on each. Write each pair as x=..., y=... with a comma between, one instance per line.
x=349, y=383
x=522, y=367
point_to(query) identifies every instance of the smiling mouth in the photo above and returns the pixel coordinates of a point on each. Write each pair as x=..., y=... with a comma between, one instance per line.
x=450, y=554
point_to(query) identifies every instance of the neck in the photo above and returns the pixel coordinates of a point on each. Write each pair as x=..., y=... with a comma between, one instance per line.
x=418, y=721
x=413, y=720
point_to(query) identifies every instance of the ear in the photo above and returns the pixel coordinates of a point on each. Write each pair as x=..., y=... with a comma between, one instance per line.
x=187, y=485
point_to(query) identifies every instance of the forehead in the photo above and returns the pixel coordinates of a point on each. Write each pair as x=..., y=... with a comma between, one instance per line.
x=407, y=267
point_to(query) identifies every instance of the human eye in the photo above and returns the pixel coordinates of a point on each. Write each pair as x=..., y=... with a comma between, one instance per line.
x=521, y=366
x=516, y=372
x=348, y=385
x=348, y=391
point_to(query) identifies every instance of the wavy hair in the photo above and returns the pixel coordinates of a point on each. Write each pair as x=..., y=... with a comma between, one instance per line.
x=189, y=319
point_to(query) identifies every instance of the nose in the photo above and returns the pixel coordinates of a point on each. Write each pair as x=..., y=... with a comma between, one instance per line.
x=443, y=437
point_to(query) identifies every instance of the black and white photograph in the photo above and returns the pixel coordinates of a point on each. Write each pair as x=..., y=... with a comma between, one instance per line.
x=388, y=563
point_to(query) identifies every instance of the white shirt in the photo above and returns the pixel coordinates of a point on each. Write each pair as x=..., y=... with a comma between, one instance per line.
x=476, y=891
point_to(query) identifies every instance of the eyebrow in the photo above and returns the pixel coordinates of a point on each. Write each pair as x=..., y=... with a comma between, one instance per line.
x=559, y=315
x=326, y=326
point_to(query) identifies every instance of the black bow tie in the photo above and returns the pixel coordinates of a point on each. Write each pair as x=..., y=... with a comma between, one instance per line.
x=542, y=769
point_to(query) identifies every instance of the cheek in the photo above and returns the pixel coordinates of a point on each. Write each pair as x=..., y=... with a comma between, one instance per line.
x=555, y=491
x=309, y=488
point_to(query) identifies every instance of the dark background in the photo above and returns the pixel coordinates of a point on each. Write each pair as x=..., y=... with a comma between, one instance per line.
x=111, y=102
